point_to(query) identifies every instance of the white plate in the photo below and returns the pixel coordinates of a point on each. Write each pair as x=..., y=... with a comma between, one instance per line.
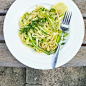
x=26, y=55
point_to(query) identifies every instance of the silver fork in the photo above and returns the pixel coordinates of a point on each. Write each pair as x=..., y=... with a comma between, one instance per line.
x=64, y=27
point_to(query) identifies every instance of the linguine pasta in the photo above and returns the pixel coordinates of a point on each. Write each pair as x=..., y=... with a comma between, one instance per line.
x=41, y=29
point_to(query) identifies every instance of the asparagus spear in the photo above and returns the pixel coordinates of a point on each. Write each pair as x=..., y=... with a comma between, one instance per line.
x=47, y=52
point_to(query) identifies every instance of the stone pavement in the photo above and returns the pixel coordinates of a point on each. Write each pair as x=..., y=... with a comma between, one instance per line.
x=32, y=77
x=12, y=76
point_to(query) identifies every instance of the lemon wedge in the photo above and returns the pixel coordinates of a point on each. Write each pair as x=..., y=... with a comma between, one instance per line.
x=60, y=7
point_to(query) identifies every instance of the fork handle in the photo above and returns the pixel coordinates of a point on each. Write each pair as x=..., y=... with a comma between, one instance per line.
x=57, y=53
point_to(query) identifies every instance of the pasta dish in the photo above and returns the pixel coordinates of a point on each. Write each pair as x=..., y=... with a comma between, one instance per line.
x=41, y=29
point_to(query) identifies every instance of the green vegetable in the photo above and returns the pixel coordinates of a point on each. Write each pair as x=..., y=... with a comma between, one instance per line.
x=34, y=49
x=27, y=39
x=44, y=40
x=64, y=39
x=66, y=34
x=35, y=22
x=54, y=23
x=47, y=52
x=44, y=20
x=51, y=23
x=60, y=18
x=25, y=29
x=34, y=26
x=58, y=39
x=46, y=10
x=63, y=43
x=25, y=14
x=30, y=45
x=28, y=26
x=55, y=50
x=38, y=26
x=43, y=31
x=52, y=10
x=22, y=21
x=43, y=9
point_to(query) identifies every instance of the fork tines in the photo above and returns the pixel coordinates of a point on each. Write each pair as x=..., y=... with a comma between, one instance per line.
x=67, y=18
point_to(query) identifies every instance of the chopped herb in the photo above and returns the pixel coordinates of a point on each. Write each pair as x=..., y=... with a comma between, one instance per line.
x=35, y=22
x=64, y=39
x=46, y=10
x=24, y=30
x=34, y=49
x=43, y=9
x=28, y=26
x=44, y=20
x=55, y=50
x=34, y=26
x=32, y=45
x=63, y=43
x=22, y=21
x=34, y=38
x=66, y=34
x=28, y=44
x=44, y=40
x=26, y=18
x=52, y=10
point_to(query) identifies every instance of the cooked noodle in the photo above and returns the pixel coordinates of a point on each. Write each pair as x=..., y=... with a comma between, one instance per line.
x=40, y=29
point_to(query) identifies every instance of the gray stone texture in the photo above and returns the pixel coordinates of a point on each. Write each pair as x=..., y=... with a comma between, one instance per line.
x=12, y=76
x=32, y=77
x=32, y=85
x=57, y=77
